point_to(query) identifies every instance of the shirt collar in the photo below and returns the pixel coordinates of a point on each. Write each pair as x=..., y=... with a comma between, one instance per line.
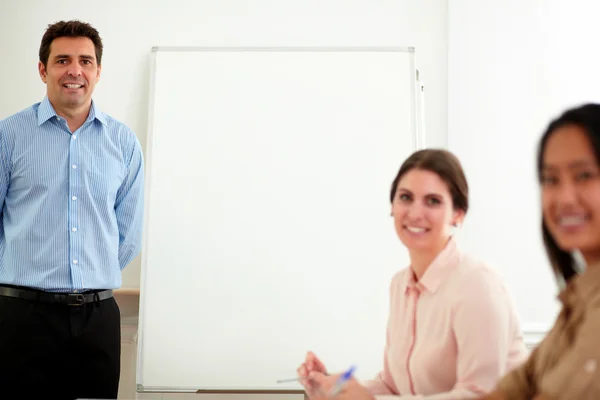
x=46, y=111
x=96, y=113
x=437, y=271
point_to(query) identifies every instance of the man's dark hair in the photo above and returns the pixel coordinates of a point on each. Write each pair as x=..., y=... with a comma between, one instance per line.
x=72, y=28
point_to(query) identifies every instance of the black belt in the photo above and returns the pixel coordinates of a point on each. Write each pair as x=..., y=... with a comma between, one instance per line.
x=70, y=299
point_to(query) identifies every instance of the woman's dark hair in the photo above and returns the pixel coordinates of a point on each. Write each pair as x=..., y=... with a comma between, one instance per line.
x=587, y=117
x=446, y=165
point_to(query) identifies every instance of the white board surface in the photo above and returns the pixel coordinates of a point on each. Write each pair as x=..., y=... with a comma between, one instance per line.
x=268, y=228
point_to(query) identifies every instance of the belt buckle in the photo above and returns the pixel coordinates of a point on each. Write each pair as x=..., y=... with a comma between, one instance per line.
x=80, y=300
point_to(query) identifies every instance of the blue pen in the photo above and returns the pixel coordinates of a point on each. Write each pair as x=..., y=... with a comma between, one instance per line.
x=341, y=382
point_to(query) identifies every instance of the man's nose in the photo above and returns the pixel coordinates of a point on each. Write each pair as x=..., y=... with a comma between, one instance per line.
x=74, y=70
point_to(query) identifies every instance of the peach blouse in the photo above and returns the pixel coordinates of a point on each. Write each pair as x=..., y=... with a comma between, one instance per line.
x=451, y=335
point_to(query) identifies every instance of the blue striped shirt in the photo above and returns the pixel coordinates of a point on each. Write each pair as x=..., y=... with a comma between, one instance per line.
x=72, y=204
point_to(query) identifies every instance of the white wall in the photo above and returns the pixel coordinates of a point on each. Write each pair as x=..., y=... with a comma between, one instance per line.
x=512, y=66
x=493, y=108
x=131, y=27
x=569, y=58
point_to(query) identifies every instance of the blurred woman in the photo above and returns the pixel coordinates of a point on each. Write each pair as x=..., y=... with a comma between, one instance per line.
x=565, y=365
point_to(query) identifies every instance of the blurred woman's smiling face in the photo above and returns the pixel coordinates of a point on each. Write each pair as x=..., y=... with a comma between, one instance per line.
x=571, y=192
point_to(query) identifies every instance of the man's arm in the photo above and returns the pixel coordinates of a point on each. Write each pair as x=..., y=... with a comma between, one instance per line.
x=5, y=168
x=129, y=206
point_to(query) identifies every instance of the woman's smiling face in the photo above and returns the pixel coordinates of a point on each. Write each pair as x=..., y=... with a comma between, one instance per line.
x=423, y=210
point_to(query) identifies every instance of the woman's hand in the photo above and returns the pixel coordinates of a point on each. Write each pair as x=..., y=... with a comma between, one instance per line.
x=311, y=364
x=323, y=384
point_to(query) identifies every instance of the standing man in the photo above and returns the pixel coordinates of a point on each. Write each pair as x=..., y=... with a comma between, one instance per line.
x=71, y=201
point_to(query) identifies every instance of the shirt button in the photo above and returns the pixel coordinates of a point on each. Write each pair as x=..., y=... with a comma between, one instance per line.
x=74, y=261
x=74, y=229
x=74, y=137
x=74, y=166
x=74, y=198
x=58, y=118
x=590, y=366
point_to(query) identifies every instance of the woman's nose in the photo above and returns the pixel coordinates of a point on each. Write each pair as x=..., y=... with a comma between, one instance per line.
x=415, y=211
x=566, y=193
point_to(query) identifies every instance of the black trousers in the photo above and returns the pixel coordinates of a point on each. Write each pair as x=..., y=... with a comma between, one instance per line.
x=59, y=351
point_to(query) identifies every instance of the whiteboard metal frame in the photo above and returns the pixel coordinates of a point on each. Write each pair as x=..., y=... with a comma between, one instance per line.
x=419, y=142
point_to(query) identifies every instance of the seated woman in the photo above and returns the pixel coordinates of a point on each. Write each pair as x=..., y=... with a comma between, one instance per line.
x=452, y=330
x=566, y=364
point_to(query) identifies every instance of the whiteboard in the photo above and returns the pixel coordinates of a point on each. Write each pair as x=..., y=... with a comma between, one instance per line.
x=268, y=228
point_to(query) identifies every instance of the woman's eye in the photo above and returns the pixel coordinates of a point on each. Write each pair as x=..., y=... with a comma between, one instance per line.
x=549, y=180
x=584, y=176
x=404, y=197
x=433, y=201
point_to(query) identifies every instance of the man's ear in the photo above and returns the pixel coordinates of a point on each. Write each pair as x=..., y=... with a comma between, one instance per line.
x=98, y=73
x=42, y=71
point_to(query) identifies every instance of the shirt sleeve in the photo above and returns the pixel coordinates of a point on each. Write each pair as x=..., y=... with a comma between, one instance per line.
x=577, y=373
x=5, y=167
x=382, y=384
x=519, y=384
x=129, y=205
x=482, y=328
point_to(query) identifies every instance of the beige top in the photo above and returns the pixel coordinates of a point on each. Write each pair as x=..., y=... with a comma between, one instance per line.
x=566, y=364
